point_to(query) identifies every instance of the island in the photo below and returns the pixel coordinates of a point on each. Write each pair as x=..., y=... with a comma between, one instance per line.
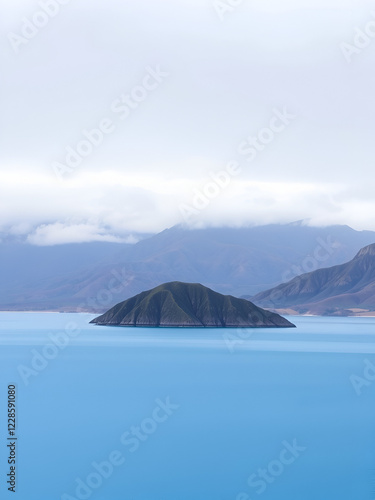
x=178, y=304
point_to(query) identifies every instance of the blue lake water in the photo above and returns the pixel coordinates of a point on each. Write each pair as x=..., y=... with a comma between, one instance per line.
x=189, y=414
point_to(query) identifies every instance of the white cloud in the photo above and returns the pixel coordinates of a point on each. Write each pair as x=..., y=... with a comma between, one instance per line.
x=58, y=233
x=225, y=79
x=113, y=207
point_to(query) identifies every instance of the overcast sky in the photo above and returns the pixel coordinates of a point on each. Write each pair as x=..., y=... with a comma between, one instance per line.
x=180, y=88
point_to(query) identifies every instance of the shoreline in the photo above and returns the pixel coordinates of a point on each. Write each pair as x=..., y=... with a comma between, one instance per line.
x=281, y=312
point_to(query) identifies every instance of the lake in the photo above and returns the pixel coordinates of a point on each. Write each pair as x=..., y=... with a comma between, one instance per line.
x=189, y=414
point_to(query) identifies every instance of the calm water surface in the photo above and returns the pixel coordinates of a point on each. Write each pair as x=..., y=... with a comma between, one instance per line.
x=189, y=414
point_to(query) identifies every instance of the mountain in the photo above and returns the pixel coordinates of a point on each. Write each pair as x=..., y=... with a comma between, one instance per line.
x=341, y=290
x=29, y=272
x=188, y=305
x=235, y=261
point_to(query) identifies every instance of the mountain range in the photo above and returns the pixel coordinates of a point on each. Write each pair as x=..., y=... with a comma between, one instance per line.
x=341, y=290
x=235, y=261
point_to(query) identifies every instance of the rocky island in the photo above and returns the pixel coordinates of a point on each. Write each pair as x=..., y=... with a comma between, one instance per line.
x=179, y=304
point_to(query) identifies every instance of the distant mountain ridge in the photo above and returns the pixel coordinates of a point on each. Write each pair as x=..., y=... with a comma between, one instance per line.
x=188, y=305
x=345, y=289
x=235, y=261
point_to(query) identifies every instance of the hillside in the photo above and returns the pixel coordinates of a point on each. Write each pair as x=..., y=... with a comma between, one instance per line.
x=235, y=261
x=346, y=289
x=188, y=305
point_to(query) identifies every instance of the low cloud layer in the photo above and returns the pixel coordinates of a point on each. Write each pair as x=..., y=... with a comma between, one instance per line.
x=58, y=233
x=119, y=116
x=105, y=207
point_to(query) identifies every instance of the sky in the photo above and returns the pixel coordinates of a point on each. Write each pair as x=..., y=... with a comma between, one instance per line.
x=129, y=117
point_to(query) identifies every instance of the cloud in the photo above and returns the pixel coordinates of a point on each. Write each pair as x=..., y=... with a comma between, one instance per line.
x=58, y=233
x=111, y=206
x=225, y=79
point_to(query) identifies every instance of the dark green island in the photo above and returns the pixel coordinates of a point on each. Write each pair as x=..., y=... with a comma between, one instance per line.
x=179, y=304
